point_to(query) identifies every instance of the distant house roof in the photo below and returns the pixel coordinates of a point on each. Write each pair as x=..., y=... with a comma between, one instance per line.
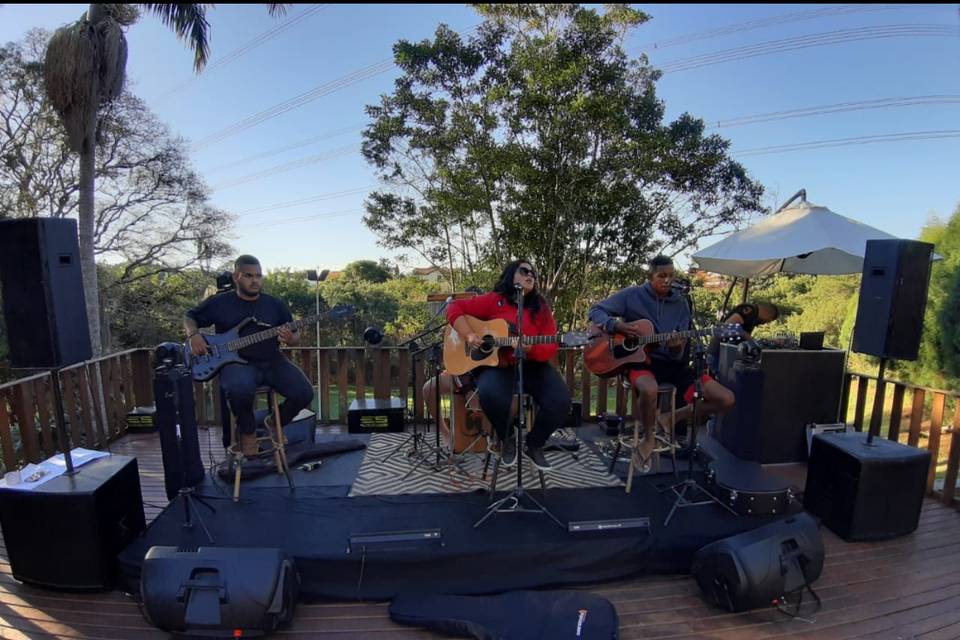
x=710, y=280
x=425, y=271
x=333, y=275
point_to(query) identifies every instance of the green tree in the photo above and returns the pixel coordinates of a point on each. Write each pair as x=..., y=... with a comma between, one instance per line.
x=367, y=271
x=939, y=361
x=84, y=70
x=539, y=138
x=152, y=209
x=149, y=308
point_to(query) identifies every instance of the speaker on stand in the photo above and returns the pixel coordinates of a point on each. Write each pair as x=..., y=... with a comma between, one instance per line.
x=893, y=298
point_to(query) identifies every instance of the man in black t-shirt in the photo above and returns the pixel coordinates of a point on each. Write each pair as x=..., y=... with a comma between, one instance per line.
x=265, y=364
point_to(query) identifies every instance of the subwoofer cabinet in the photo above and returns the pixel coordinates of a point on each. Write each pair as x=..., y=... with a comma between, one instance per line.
x=865, y=492
x=67, y=533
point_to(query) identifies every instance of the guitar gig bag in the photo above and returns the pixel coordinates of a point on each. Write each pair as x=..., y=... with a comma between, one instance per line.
x=515, y=615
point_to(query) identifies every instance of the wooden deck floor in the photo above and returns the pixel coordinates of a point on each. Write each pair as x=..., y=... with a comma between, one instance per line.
x=903, y=588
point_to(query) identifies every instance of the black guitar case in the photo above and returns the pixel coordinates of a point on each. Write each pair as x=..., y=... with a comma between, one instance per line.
x=516, y=615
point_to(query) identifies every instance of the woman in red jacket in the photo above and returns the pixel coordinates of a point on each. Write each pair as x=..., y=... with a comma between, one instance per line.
x=496, y=384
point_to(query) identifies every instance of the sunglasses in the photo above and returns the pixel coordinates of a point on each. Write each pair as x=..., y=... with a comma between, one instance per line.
x=524, y=271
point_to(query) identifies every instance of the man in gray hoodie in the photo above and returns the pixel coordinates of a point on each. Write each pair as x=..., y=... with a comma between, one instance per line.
x=657, y=301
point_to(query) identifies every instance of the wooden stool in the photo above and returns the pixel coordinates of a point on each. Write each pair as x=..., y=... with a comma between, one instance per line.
x=665, y=442
x=274, y=436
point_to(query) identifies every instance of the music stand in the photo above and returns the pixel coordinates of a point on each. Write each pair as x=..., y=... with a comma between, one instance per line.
x=416, y=437
x=515, y=498
x=436, y=357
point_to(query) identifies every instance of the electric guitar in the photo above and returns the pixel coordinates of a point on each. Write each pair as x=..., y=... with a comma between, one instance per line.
x=459, y=358
x=609, y=353
x=223, y=348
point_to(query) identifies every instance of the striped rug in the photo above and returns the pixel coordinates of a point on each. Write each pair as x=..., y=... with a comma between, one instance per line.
x=384, y=474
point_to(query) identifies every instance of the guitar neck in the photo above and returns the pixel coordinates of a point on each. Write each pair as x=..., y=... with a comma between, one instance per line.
x=529, y=340
x=692, y=333
x=266, y=334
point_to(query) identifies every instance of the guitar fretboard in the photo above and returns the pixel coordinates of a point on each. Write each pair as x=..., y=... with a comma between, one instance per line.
x=508, y=342
x=266, y=334
x=669, y=335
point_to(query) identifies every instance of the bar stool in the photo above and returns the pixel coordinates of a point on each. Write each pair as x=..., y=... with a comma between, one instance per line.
x=274, y=437
x=665, y=441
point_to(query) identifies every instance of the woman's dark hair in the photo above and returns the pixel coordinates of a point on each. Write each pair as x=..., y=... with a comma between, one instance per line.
x=532, y=302
x=775, y=311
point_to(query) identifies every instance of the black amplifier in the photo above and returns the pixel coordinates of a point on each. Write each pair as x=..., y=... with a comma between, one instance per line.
x=376, y=416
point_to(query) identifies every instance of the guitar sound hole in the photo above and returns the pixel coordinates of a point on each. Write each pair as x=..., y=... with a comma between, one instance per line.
x=630, y=343
x=488, y=346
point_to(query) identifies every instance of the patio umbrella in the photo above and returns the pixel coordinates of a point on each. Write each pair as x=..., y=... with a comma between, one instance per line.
x=802, y=238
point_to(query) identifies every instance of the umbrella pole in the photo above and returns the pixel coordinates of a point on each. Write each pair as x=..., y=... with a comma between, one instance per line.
x=726, y=299
x=746, y=286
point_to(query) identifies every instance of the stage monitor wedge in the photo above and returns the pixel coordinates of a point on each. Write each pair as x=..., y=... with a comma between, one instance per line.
x=893, y=298
x=43, y=301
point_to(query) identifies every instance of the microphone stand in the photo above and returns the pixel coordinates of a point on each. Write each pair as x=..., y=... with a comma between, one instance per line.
x=681, y=488
x=512, y=502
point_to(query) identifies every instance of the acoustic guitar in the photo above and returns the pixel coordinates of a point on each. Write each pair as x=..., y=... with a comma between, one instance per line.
x=223, y=348
x=458, y=358
x=608, y=354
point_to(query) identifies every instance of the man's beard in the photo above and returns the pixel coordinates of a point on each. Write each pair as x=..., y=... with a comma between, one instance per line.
x=247, y=292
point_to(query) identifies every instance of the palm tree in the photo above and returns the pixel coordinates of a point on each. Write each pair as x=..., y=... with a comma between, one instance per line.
x=84, y=69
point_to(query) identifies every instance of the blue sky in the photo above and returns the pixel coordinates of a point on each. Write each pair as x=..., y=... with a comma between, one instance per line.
x=894, y=186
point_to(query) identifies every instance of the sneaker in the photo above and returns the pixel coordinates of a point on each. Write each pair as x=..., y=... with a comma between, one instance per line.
x=508, y=452
x=539, y=460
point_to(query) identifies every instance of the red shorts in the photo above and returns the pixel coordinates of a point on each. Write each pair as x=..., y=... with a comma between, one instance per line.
x=680, y=377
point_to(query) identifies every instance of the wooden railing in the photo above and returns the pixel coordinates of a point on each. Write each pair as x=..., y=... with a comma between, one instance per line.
x=96, y=413
x=96, y=398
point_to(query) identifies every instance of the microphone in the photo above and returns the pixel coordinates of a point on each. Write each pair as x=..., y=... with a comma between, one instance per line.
x=682, y=286
x=518, y=287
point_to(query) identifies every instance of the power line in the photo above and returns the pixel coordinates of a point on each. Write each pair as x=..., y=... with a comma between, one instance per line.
x=308, y=200
x=328, y=214
x=297, y=101
x=843, y=142
x=304, y=98
x=784, y=18
x=290, y=166
x=840, y=107
x=803, y=42
x=245, y=48
x=289, y=147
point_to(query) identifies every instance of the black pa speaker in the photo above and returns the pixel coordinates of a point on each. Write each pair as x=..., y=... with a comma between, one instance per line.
x=177, y=426
x=893, y=297
x=752, y=569
x=219, y=592
x=67, y=532
x=865, y=492
x=43, y=301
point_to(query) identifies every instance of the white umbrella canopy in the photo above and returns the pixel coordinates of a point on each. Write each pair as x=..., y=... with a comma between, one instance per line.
x=805, y=238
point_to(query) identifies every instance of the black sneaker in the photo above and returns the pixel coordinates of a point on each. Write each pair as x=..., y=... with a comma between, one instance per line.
x=539, y=460
x=508, y=452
